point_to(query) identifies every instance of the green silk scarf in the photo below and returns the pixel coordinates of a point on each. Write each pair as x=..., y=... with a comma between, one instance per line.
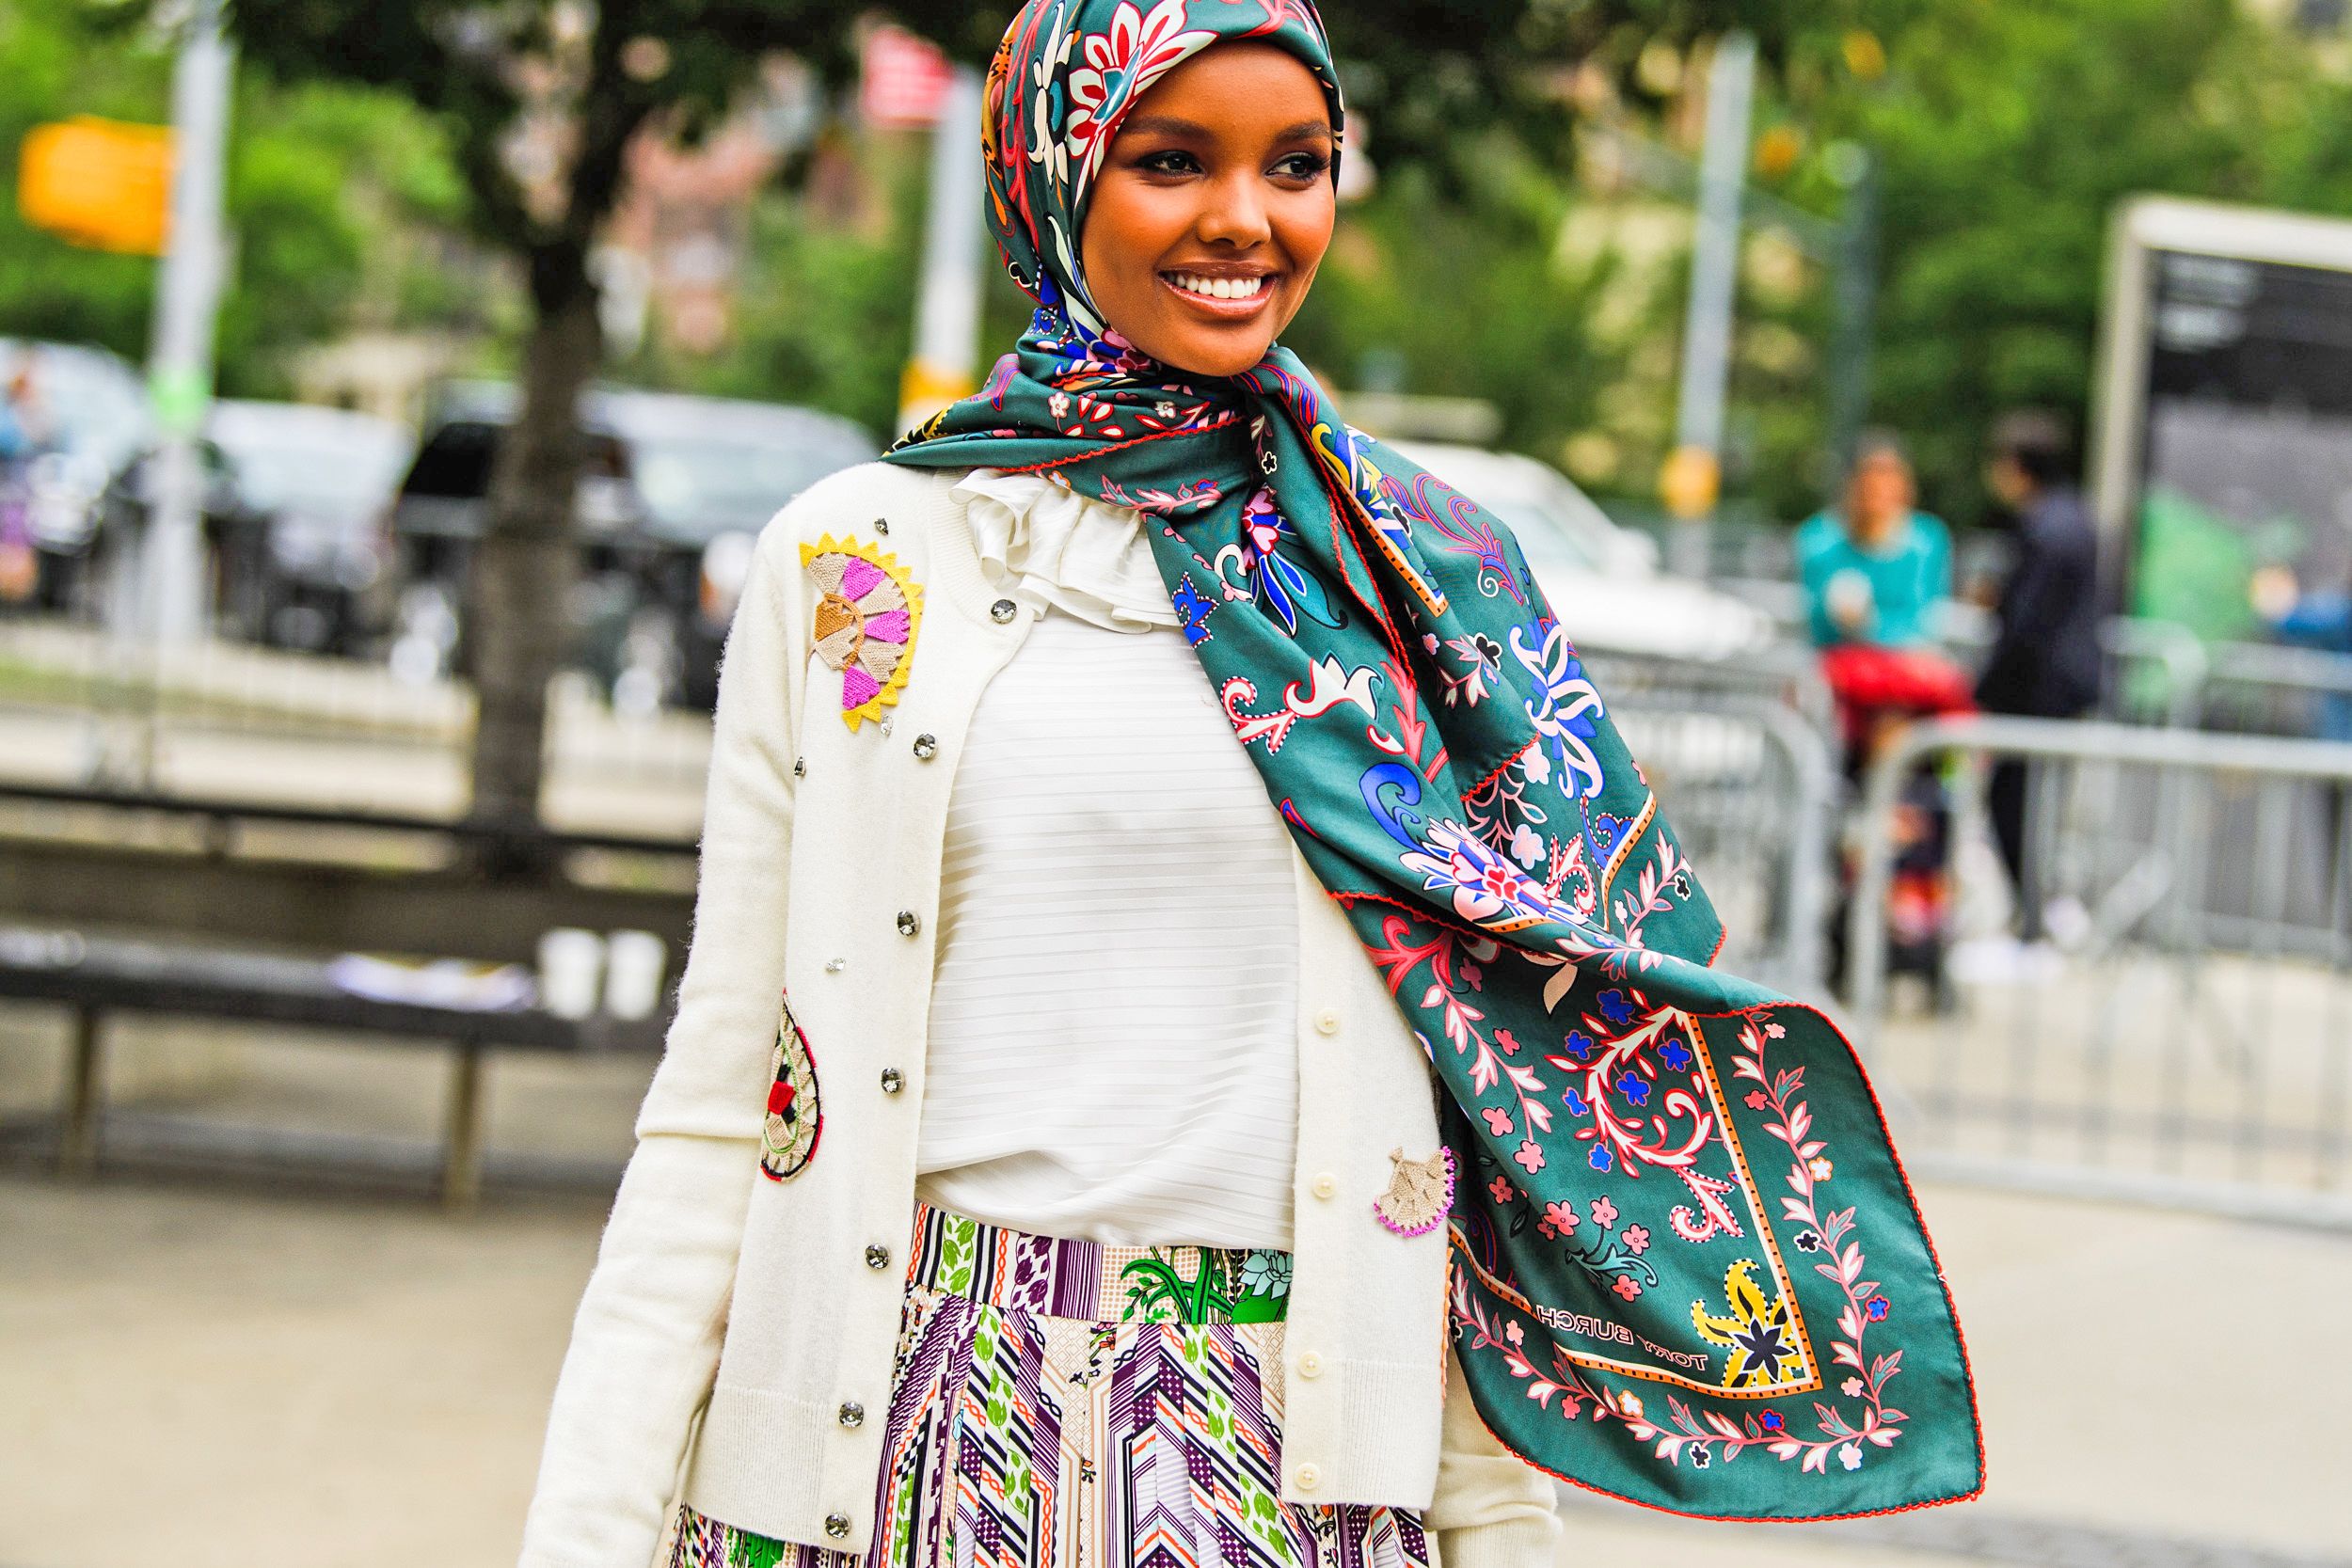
x=1687, y=1268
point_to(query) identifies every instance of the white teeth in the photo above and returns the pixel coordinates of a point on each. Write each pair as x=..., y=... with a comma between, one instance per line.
x=1219, y=288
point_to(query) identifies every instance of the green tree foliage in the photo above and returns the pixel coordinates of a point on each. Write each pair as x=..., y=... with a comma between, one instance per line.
x=335, y=194
x=2008, y=135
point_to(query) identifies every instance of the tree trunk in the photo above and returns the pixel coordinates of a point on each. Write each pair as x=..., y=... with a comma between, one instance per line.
x=518, y=623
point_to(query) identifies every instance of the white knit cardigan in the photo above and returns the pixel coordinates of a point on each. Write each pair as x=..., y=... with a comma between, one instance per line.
x=765, y=1307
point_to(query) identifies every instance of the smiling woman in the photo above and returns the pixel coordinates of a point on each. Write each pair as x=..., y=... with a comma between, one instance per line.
x=1266, y=1109
x=1214, y=208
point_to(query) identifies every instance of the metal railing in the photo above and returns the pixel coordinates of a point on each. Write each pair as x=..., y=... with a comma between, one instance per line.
x=2188, y=1036
x=1750, y=790
x=222, y=716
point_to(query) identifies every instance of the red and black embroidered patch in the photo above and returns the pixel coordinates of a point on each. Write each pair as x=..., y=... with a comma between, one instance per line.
x=787, y=1139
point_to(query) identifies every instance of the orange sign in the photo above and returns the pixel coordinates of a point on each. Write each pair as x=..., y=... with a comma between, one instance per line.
x=103, y=184
x=1691, y=483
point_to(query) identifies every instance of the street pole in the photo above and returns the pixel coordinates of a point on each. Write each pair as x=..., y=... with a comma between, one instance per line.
x=1854, y=300
x=947, y=317
x=1694, y=477
x=179, y=368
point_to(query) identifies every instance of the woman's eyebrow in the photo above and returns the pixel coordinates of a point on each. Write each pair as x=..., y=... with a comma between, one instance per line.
x=1169, y=125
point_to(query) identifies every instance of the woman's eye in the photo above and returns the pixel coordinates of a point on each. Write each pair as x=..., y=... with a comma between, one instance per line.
x=1303, y=165
x=1168, y=163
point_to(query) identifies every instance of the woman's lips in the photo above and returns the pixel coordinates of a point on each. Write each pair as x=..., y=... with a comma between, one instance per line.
x=1221, y=298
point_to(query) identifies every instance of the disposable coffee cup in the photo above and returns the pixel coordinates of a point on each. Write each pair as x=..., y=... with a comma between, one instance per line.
x=571, y=968
x=634, y=966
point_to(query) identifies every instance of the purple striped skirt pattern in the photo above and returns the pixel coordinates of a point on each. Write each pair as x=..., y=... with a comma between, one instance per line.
x=1059, y=1404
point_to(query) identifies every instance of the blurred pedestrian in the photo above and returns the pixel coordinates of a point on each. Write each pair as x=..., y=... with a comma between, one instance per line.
x=20, y=424
x=2045, y=659
x=1127, y=1213
x=1875, y=570
x=2319, y=618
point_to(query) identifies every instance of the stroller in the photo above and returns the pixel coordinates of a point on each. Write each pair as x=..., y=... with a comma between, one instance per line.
x=1879, y=692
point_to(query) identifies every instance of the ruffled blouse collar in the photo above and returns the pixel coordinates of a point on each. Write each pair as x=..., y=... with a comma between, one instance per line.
x=1086, y=558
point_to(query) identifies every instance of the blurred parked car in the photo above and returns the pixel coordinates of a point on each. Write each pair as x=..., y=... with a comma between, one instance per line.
x=319, y=480
x=87, y=420
x=676, y=489
x=1603, y=580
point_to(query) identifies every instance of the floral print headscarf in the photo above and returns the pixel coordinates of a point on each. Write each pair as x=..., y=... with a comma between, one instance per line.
x=1687, y=1268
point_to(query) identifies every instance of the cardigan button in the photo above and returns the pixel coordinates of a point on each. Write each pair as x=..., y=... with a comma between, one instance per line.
x=1310, y=1365
x=836, y=1525
x=877, y=1258
x=926, y=747
x=892, y=1079
x=852, y=1414
x=1308, y=1477
x=909, y=923
x=1002, y=611
x=1326, y=1185
x=1328, y=1021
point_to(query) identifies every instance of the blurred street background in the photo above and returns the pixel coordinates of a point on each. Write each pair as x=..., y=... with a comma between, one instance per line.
x=1931, y=419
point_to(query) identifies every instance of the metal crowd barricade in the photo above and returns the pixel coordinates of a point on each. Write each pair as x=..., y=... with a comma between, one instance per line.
x=1750, y=789
x=1787, y=674
x=81, y=706
x=2265, y=689
x=2190, y=1040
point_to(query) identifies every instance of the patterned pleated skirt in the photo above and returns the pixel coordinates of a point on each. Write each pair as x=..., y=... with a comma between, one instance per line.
x=1062, y=1403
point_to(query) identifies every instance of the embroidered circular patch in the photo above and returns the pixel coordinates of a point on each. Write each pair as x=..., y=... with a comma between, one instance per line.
x=868, y=608
x=787, y=1139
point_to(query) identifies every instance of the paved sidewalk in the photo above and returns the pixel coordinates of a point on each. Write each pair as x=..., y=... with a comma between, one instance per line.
x=217, y=1379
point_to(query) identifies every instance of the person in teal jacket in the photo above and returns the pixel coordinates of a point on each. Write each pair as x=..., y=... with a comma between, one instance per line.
x=1875, y=569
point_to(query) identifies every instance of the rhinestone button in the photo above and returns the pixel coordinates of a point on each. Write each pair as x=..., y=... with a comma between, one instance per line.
x=852, y=1414
x=882, y=524
x=835, y=966
x=892, y=1079
x=836, y=1525
x=926, y=747
x=800, y=767
x=877, y=1258
x=909, y=923
x=888, y=723
x=1002, y=611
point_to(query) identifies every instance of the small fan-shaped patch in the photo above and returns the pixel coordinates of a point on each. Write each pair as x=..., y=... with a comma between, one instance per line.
x=787, y=1138
x=868, y=608
x=1419, y=1195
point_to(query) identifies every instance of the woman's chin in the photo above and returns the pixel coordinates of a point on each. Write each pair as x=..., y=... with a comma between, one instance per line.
x=1223, y=356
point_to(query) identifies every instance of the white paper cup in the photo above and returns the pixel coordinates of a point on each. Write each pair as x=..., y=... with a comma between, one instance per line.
x=571, y=968
x=635, y=964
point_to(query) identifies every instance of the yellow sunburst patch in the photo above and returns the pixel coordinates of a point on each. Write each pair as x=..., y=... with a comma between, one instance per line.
x=867, y=613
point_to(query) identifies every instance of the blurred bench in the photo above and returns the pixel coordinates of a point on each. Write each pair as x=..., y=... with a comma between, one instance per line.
x=213, y=908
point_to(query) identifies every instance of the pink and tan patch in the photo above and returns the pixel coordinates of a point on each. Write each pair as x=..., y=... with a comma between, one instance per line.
x=869, y=610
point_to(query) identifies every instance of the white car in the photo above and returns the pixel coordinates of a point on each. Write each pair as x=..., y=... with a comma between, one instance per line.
x=1603, y=580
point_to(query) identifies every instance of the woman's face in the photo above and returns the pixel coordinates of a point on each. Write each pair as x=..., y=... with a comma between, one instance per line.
x=1213, y=209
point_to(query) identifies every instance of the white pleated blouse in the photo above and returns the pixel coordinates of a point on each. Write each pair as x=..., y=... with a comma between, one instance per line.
x=1113, y=1025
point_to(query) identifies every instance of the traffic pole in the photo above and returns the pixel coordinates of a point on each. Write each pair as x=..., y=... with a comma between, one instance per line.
x=1692, y=479
x=947, y=316
x=172, y=577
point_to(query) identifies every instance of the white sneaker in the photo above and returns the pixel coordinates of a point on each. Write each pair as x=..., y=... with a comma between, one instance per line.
x=2003, y=961
x=2068, y=921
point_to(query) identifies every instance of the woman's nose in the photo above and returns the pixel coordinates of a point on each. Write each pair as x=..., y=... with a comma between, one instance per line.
x=1235, y=213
